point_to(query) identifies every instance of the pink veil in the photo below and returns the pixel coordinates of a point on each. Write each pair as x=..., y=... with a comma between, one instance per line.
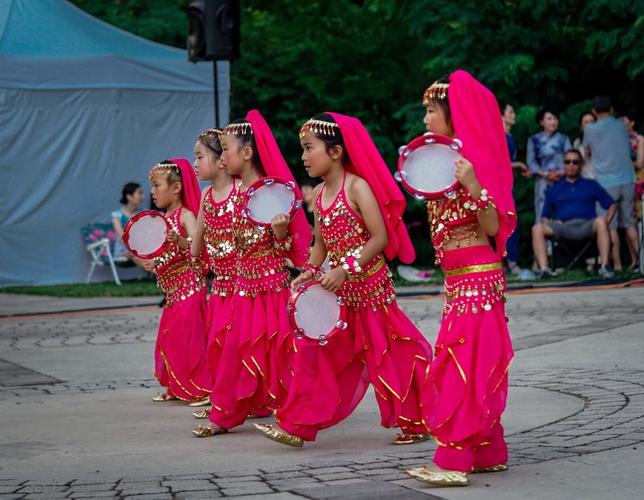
x=367, y=163
x=191, y=196
x=275, y=166
x=475, y=115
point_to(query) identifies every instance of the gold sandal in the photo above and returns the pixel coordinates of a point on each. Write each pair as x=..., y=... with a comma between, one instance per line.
x=162, y=397
x=410, y=438
x=200, y=402
x=446, y=478
x=279, y=435
x=494, y=468
x=201, y=431
x=201, y=414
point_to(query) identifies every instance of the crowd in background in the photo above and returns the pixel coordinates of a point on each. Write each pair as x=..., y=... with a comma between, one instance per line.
x=584, y=188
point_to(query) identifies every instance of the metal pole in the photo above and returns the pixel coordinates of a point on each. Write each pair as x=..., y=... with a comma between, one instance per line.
x=216, y=90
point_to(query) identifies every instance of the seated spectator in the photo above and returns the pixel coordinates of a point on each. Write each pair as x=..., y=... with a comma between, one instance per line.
x=545, y=154
x=569, y=212
x=607, y=143
x=131, y=199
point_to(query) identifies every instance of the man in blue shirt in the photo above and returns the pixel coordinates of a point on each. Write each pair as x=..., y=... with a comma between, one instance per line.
x=607, y=143
x=569, y=212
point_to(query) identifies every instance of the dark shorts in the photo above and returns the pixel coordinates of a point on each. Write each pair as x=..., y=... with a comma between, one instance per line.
x=573, y=229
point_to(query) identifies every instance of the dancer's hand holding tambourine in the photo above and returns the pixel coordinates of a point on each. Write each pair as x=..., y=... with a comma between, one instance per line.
x=279, y=225
x=333, y=280
x=465, y=174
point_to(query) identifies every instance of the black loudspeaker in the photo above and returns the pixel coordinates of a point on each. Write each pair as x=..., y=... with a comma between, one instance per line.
x=213, y=30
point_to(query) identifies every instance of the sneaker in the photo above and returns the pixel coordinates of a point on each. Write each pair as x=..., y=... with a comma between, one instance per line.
x=606, y=273
x=546, y=273
x=526, y=275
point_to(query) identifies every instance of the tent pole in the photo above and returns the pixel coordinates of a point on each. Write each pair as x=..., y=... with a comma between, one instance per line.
x=216, y=90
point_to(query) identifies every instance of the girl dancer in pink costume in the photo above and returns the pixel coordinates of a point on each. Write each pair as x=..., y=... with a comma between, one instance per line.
x=473, y=350
x=357, y=219
x=253, y=371
x=182, y=328
x=214, y=229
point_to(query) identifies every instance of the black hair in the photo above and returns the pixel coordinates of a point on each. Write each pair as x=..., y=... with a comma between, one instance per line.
x=631, y=114
x=503, y=105
x=588, y=112
x=129, y=189
x=577, y=152
x=602, y=104
x=210, y=139
x=330, y=141
x=245, y=137
x=443, y=103
x=546, y=109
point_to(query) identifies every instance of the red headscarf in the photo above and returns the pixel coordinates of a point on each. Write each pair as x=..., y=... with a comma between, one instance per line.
x=275, y=166
x=191, y=194
x=476, y=120
x=366, y=162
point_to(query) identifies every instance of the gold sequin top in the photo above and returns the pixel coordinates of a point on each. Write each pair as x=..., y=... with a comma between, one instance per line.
x=218, y=238
x=343, y=231
x=261, y=259
x=449, y=220
x=177, y=272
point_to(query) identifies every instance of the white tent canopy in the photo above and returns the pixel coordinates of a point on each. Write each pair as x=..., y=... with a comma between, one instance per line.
x=84, y=108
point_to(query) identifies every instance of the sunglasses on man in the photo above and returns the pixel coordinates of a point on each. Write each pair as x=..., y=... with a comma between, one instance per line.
x=571, y=162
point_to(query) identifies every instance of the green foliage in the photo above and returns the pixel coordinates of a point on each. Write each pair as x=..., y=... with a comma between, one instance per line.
x=163, y=21
x=374, y=58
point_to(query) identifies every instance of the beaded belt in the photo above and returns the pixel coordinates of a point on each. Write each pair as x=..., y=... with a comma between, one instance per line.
x=479, y=268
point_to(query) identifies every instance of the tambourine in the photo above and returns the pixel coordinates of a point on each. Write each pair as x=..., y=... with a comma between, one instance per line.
x=426, y=166
x=316, y=313
x=145, y=234
x=268, y=197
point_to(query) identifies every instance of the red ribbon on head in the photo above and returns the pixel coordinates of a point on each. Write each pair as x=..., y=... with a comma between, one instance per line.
x=366, y=162
x=275, y=166
x=478, y=125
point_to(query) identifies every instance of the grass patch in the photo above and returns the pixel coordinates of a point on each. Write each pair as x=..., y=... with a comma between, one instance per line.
x=130, y=288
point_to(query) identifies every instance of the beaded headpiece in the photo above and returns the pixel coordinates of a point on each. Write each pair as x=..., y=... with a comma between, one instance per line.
x=319, y=127
x=436, y=91
x=237, y=129
x=210, y=132
x=165, y=168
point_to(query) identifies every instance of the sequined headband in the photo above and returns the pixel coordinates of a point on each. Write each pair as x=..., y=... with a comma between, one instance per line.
x=164, y=169
x=237, y=129
x=435, y=91
x=319, y=127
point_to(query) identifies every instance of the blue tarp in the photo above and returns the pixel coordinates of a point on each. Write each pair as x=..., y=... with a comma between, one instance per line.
x=84, y=108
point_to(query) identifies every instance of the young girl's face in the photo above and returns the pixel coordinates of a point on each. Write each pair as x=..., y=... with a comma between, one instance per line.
x=136, y=198
x=436, y=122
x=316, y=158
x=206, y=163
x=163, y=193
x=235, y=156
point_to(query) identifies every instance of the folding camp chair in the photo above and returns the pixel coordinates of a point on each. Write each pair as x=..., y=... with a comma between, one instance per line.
x=99, y=242
x=568, y=252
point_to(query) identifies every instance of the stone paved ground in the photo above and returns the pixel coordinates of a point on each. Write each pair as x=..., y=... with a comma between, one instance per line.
x=76, y=421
